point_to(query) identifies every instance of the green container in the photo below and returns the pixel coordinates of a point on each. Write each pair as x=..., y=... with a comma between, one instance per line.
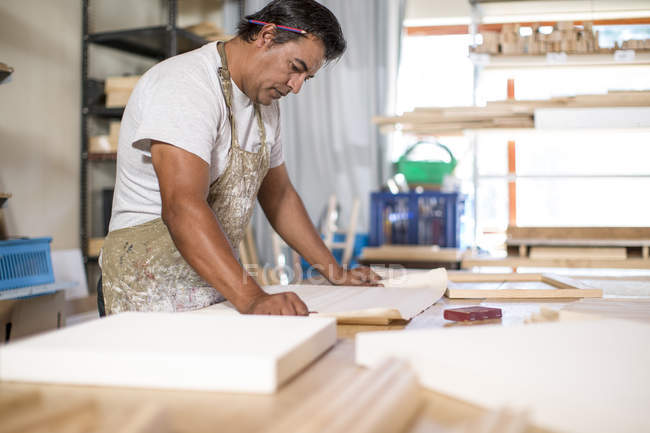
x=425, y=171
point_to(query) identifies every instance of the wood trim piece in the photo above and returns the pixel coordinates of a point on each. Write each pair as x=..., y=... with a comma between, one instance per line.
x=566, y=287
x=471, y=277
x=517, y=262
x=411, y=253
x=383, y=400
x=584, y=233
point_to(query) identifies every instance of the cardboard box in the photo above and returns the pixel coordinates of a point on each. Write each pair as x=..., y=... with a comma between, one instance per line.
x=22, y=317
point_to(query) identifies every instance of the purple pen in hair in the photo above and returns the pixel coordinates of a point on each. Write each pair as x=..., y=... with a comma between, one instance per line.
x=290, y=29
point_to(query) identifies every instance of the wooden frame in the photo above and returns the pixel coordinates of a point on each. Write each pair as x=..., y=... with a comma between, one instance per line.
x=565, y=287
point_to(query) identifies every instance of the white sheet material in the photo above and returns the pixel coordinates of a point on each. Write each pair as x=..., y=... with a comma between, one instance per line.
x=68, y=266
x=160, y=350
x=580, y=377
x=407, y=295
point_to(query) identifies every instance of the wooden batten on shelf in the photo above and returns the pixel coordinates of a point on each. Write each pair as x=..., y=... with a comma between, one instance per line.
x=118, y=90
x=508, y=114
x=382, y=399
x=94, y=246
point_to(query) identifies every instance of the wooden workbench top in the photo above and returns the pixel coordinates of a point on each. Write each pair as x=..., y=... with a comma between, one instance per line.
x=188, y=411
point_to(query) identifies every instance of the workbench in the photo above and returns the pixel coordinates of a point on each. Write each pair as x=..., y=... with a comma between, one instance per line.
x=209, y=411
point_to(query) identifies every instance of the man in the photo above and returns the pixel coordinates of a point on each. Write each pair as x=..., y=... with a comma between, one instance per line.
x=199, y=141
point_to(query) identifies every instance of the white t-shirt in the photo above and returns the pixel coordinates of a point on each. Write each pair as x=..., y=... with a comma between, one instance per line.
x=179, y=101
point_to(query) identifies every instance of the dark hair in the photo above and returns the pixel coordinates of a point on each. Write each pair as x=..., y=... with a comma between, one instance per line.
x=307, y=15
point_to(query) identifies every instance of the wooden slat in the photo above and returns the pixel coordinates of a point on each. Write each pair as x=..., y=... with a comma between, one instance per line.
x=382, y=400
x=518, y=262
x=457, y=291
x=578, y=232
x=604, y=253
x=411, y=253
x=471, y=277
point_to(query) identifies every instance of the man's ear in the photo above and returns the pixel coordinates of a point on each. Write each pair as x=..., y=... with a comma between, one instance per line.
x=266, y=36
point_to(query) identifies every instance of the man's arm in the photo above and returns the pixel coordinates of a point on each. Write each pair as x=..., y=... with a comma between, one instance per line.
x=184, y=180
x=286, y=213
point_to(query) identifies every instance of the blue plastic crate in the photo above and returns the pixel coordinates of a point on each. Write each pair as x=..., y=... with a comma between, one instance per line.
x=426, y=218
x=25, y=262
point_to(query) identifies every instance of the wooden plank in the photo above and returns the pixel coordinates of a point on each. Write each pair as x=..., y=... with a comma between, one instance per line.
x=518, y=262
x=579, y=233
x=518, y=290
x=523, y=366
x=564, y=282
x=383, y=399
x=14, y=401
x=579, y=242
x=411, y=253
x=79, y=415
x=604, y=253
x=121, y=84
x=117, y=99
x=149, y=418
x=95, y=246
x=253, y=354
x=472, y=277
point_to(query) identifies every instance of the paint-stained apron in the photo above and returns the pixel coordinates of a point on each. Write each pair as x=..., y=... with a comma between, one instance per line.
x=142, y=270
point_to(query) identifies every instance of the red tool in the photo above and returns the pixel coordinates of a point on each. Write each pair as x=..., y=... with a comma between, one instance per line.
x=472, y=313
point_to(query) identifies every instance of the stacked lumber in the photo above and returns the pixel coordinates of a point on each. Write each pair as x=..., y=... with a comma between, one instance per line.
x=507, y=114
x=634, y=44
x=208, y=31
x=576, y=243
x=106, y=143
x=118, y=90
x=453, y=120
x=565, y=38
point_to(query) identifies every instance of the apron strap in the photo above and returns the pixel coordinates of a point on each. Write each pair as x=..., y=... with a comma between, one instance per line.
x=226, y=87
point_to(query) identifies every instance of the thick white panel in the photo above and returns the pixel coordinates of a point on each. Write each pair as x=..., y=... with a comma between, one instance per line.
x=172, y=350
x=578, y=377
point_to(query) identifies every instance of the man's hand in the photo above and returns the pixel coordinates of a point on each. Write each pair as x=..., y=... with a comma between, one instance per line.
x=280, y=304
x=359, y=276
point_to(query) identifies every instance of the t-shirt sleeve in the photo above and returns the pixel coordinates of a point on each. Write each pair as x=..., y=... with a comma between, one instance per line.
x=179, y=109
x=277, y=155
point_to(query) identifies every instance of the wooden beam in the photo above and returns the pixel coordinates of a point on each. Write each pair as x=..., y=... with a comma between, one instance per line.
x=578, y=232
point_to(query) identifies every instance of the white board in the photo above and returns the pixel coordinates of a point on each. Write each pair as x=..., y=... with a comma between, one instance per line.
x=68, y=266
x=172, y=350
x=402, y=299
x=580, y=377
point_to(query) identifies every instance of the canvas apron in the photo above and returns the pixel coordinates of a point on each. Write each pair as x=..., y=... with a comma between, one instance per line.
x=142, y=270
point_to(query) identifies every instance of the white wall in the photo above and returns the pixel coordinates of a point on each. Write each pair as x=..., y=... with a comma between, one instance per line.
x=40, y=108
x=39, y=118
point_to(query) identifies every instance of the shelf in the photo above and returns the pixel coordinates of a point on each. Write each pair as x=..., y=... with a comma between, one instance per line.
x=98, y=110
x=148, y=41
x=102, y=156
x=488, y=61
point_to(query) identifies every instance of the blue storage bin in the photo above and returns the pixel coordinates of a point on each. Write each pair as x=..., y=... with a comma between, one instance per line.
x=25, y=262
x=426, y=218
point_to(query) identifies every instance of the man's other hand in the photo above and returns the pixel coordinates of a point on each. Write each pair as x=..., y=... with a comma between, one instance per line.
x=359, y=276
x=280, y=304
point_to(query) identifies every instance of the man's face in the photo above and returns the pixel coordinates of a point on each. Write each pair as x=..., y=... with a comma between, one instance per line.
x=284, y=68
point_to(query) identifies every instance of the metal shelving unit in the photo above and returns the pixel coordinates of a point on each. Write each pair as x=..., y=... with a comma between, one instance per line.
x=157, y=42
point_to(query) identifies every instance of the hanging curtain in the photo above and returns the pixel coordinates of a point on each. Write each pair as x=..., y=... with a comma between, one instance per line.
x=330, y=143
